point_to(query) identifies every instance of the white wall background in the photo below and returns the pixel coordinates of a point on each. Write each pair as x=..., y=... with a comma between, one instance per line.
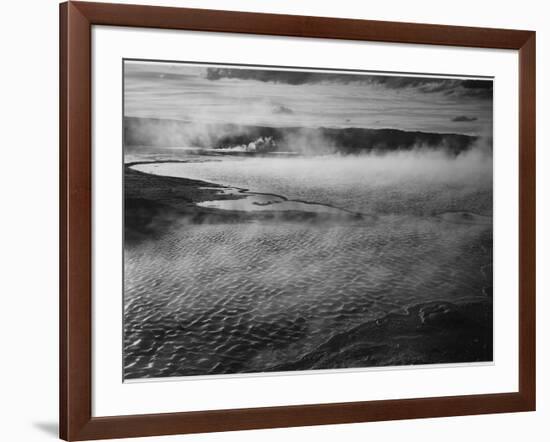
x=29, y=220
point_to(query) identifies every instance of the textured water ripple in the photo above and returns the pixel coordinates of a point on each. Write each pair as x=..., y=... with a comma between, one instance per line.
x=213, y=299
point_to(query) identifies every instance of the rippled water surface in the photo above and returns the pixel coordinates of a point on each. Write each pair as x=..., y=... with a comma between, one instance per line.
x=246, y=297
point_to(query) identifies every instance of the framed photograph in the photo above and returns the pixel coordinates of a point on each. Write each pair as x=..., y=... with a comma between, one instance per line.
x=273, y=220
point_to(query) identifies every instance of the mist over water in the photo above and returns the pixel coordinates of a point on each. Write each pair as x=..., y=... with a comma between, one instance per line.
x=248, y=297
x=409, y=182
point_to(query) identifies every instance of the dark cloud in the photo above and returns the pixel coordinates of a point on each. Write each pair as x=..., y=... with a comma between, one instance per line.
x=478, y=84
x=463, y=119
x=452, y=87
x=472, y=89
x=478, y=88
x=282, y=110
x=156, y=75
x=286, y=77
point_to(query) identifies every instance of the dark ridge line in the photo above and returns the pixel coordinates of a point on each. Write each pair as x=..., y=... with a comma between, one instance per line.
x=174, y=120
x=345, y=140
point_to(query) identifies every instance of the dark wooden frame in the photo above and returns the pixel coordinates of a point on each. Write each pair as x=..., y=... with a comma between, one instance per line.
x=76, y=421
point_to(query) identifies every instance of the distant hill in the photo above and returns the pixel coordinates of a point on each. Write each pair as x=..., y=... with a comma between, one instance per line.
x=163, y=133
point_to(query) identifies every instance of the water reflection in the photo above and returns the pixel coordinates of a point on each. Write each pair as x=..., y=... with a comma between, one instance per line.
x=250, y=201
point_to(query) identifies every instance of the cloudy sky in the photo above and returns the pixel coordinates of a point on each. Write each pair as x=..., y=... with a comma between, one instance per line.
x=210, y=94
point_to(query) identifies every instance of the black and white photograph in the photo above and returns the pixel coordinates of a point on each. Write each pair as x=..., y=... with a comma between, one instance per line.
x=290, y=219
x=237, y=221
